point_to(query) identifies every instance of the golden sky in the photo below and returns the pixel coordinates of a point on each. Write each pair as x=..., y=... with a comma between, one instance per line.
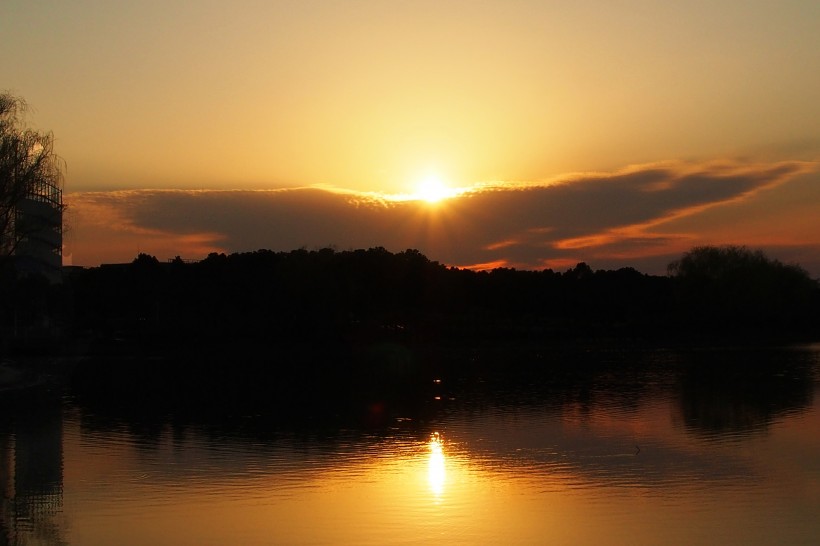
x=375, y=95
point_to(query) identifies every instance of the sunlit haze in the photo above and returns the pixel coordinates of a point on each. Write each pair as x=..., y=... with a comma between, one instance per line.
x=500, y=97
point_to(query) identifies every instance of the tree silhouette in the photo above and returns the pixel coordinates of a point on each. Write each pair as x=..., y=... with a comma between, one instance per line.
x=27, y=164
x=306, y=332
x=266, y=299
x=30, y=223
x=742, y=290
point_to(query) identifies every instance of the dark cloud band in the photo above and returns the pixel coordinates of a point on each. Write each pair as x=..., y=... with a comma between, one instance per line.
x=611, y=217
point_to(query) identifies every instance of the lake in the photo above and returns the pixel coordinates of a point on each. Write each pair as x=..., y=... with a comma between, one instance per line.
x=712, y=446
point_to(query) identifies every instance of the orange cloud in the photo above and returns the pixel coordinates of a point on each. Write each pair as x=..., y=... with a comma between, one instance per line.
x=101, y=229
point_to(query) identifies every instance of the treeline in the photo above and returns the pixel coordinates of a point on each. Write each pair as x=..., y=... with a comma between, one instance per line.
x=313, y=334
x=728, y=294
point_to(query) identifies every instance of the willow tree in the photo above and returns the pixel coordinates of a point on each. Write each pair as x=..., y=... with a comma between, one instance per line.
x=27, y=165
x=733, y=288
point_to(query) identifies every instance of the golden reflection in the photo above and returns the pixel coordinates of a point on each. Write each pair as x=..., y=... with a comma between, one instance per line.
x=436, y=472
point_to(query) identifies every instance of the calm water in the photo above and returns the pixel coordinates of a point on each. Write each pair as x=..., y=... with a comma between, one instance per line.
x=705, y=447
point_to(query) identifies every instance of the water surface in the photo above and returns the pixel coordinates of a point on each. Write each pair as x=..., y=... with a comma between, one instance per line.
x=660, y=447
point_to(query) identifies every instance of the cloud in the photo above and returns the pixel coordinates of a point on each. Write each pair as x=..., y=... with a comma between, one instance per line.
x=606, y=219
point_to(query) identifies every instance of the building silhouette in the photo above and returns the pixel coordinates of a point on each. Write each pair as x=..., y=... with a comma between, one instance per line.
x=38, y=232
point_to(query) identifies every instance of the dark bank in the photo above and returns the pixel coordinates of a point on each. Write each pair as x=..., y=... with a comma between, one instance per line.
x=317, y=333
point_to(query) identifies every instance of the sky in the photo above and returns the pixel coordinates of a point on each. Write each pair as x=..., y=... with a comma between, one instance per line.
x=619, y=133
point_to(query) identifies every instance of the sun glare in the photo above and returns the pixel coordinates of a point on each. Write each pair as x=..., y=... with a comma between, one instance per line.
x=436, y=470
x=433, y=189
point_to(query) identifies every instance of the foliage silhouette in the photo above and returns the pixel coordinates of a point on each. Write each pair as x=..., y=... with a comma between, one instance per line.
x=744, y=293
x=307, y=333
x=29, y=172
x=264, y=296
x=27, y=162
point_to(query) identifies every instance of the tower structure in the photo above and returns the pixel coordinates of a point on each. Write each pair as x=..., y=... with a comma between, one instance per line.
x=38, y=231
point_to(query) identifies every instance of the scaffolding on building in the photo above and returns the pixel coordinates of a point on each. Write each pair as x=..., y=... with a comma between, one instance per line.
x=38, y=231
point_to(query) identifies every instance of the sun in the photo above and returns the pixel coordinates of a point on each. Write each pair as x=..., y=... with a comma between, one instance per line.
x=432, y=189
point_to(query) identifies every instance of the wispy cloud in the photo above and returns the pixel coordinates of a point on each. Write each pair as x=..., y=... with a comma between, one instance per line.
x=626, y=217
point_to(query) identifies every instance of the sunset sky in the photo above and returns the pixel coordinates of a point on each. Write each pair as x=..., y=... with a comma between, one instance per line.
x=612, y=132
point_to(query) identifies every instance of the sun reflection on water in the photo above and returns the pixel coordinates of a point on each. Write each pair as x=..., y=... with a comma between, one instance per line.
x=436, y=472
